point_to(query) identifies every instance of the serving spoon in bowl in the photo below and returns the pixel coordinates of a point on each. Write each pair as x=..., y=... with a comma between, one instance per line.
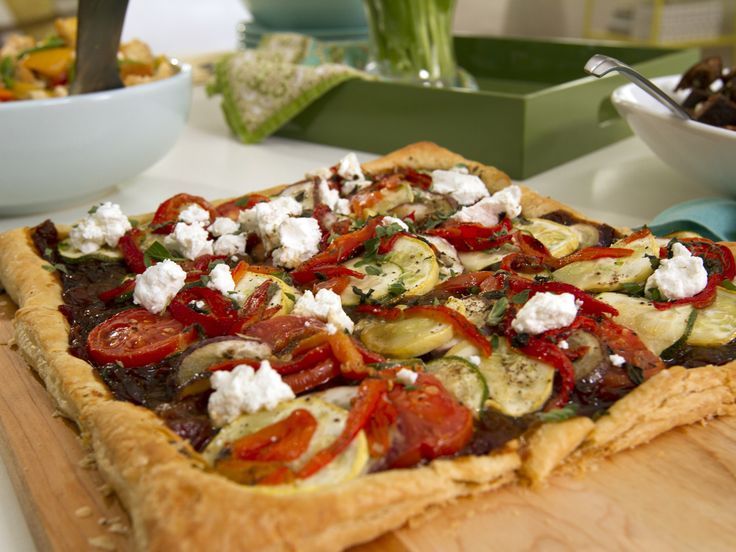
x=99, y=25
x=600, y=65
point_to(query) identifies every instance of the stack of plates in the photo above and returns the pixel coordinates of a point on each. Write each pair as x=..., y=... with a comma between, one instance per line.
x=252, y=32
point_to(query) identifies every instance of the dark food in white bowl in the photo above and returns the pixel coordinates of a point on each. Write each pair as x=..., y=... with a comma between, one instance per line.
x=712, y=98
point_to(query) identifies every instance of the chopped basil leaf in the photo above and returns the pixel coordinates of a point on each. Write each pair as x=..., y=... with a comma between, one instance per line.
x=497, y=312
x=54, y=267
x=520, y=297
x=373, y=270
x=396, y=289
x=494, y=342
x=636, y=375
x=520, y=340
x=632, y=288
x=729, y=285
x=388, y=231
x=558, y=414
x=656, y=295
x=654, y=261
x=672, y=351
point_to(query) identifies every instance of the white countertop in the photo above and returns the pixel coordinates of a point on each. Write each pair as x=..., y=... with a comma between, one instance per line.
x=622, y=184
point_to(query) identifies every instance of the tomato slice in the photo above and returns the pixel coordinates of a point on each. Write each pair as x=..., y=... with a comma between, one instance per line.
x=430, y=421
x=284, y=332
x=168, y=212
x=136, y=337
x=215, y=314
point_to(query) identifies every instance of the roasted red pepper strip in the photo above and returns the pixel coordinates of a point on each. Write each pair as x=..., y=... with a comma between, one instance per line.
x=589, y=305
x=315, y=376
x=591, y=253
x=549, y=353
x=217, y=316
x=232, y=209
x=459, y=323
x=255, y=308
x=418, y=179
x=337, y=285
x=168, y=212
x=641, y=233
x=128, y=286
x=475, y=237
x=370, y=392
x=342, y=248
x=284, y=441
x=305, y=361
x=320, y=214
x=462, y=283
x=302, y=277
x=348, y=355
x=389, y=313
x=130, y=247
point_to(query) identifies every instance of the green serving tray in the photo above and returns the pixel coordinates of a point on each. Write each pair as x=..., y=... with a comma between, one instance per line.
x=534, y=109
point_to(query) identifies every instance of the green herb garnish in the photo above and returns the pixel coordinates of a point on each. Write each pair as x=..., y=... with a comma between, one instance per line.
x=56, y=267
x=497, y=312
x=521, y=297
x=558, y=414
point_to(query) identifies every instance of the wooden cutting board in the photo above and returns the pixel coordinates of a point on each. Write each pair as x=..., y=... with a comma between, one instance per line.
x=676, y=493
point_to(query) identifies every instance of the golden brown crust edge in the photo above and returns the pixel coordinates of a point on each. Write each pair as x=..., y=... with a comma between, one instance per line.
x=172, y=500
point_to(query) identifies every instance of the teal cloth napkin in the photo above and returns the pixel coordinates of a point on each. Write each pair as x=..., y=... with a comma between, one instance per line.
x=713, y=218
x=264, y=88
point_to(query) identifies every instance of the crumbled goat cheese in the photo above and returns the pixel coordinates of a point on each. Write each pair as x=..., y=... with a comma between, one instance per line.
x=488, y=210
x=221, y=279
x=223, y=226
x=326, y=306
x=323, y=173
x=406, y=376
x=106, y=225
x=563, y=344
x=679, y=277
x=617, y=360
x=332, y=199
x=330, y=329
x=191, y=240
x=157, y=286
x=264, y=219
x=229, y=244
x=450, y=264
x=349, y=168
x=545, y=311
x=194, y=214
x=244, y=390
x=388, y=221
x=299, y=239
x=327, y=195
x=464, y=188
x=474, y=359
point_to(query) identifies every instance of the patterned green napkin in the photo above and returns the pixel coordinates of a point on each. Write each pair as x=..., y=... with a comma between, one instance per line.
x=262, y=89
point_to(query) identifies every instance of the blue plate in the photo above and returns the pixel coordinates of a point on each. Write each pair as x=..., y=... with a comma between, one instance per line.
x=713, y=218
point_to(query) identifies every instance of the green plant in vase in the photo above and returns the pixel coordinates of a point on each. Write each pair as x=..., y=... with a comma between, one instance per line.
x=411, y=41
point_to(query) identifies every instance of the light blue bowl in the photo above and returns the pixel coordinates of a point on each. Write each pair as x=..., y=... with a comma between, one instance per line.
x=307, y=14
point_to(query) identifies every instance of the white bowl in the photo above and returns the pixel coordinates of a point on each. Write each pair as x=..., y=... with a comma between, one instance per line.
x=60, y=151
x=705, y=153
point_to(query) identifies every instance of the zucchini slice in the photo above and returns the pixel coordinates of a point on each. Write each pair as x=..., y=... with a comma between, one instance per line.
x=391, y=199
x=410, y=268
x=658, y=329
x=478, y=260
x=72, y=255
x=517, y=384
x=407, y=338
x=461, y=378
x=283, y=298
x=715, y=324
x=330, y=423
x=559, y=240
x=611, y=274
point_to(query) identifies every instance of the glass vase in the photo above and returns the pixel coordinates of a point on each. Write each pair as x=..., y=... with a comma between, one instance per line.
x=411, y=41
